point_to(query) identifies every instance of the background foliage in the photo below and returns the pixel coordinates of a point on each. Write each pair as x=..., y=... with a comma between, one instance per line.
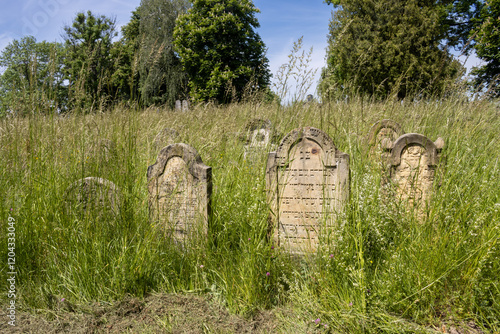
x=89, y=65
x=220, y=50
x=383, y=48
x=162, y=79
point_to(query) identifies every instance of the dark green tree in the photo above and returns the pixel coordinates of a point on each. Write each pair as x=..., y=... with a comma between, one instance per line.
x=162, y=79
x=220, y=49
x=89, y=61
x=33, y=77
x=125, y=55
x=487, y=46
x=387, y=47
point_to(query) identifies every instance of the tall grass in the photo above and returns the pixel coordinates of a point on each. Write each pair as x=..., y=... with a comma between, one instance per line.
x=383, y=271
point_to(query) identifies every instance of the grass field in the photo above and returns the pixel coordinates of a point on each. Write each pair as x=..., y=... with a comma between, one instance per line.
x=383, y=271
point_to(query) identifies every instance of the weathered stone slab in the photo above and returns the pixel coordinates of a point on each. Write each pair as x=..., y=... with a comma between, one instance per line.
x=413, y=161
x=185, y=105
x=382, y=136
x=93, y=193
x=165, y=137
x=180, y=186
x=308, y=185
x=257, y=138
x=182, y=105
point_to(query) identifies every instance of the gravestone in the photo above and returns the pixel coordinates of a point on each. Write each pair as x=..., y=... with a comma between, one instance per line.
x=413, y=162
x=93, y=193
x=382, y=136
x=185, y=105
x=257, y=138
x=165, y=137
x=180, y=187
x=308, y=184
x=178, y=105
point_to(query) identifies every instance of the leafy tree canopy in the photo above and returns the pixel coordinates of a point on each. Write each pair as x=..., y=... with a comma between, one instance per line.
x=219, y=49
x=487, y=46
x=387, y=47
x=89, y=41
x=33, y=78
x=162, y=79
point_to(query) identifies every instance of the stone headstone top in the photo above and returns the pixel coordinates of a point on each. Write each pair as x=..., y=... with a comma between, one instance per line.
x=414, y=139
x=383, y=134
x=185, y=105
x=257, y=137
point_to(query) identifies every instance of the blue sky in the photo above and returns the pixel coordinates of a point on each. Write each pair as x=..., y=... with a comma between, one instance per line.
x=281, y=23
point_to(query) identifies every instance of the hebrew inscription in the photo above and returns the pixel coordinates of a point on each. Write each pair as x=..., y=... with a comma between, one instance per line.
x=179, y=187
x=308, y=183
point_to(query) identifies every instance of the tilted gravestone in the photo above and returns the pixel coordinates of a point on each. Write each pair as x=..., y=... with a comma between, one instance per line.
x=165, y=137
x=382, y=136
x=413, y=162
x=257, y=138
x=308, y=185
x=93, y=193
x=180, y=187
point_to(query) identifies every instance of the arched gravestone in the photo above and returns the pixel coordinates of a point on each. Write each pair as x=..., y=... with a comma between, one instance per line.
x=308, y=184
x=382, y=136
x=180, y=187
x=413, y=161
x=257, y=137
x=93, y=193
x=165, y=137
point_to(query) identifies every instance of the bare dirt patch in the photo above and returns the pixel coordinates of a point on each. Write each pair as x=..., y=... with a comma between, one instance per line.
x=159, y=313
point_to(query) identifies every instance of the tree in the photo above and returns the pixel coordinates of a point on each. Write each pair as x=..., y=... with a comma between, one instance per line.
x=125, y=55
x=33, y=78
x=387, y=47
x=89, y=65
x=162, y=79
x=219, y=49
x=487, y=46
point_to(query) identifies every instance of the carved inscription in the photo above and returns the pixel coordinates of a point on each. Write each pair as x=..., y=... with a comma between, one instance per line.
x=414, y=160
x=305, y=188
x=179, y=190
x=310, y=188
x=414, y=176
